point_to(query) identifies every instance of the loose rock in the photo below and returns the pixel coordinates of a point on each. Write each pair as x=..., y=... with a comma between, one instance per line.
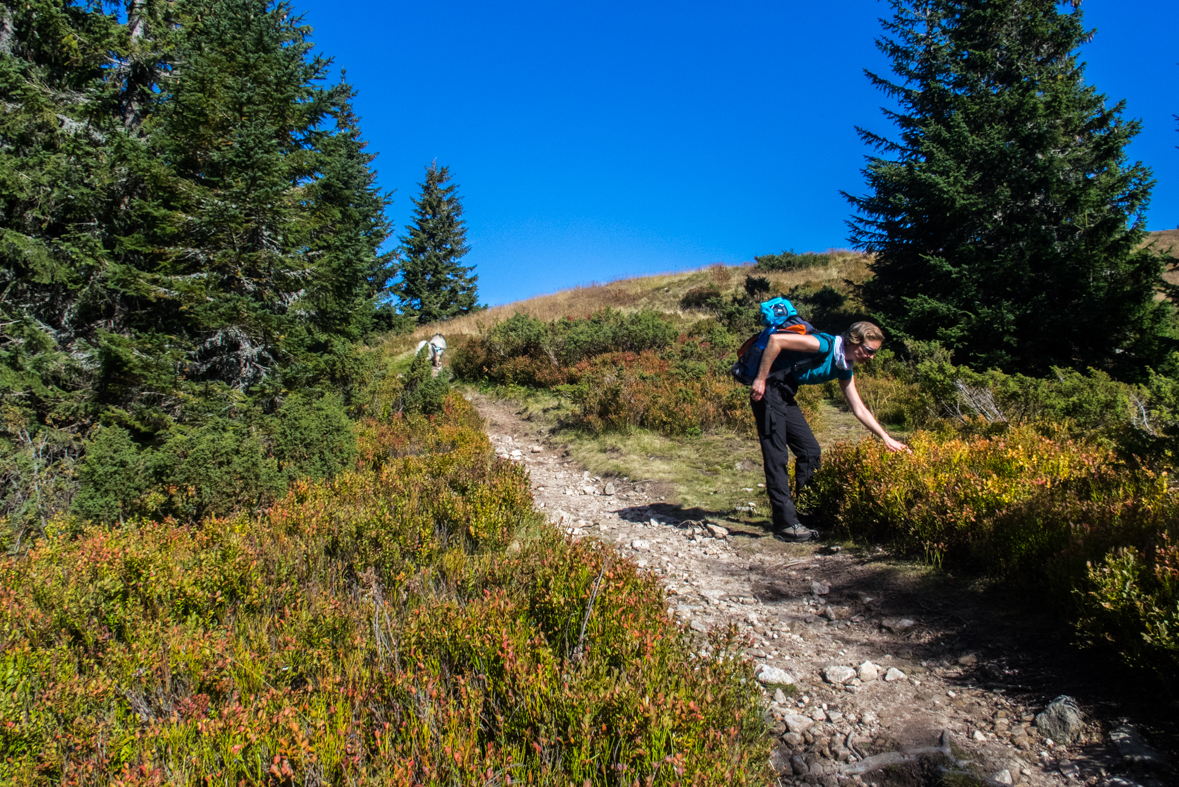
x=797, y=723
x=768, y=675
x=1062, y=720
x=894, y=674
x=867, y=672
x=838, y=675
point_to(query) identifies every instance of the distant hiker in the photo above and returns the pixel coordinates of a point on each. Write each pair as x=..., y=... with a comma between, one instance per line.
x=437, y=345
x=781, y=426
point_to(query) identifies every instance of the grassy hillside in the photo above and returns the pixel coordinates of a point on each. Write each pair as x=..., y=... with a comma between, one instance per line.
x=661, y=292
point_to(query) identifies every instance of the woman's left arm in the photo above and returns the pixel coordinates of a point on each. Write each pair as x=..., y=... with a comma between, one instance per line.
x=860, y=411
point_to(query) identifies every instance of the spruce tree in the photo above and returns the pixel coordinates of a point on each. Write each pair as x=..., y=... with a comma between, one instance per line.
x=434, y=285
x=1005, y=221
x=185, y=207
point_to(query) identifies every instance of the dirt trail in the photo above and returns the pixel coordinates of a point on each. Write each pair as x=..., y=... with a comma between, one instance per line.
x=923, y=657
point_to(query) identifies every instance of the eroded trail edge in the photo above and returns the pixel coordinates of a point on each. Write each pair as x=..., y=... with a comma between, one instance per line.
x=870, y=676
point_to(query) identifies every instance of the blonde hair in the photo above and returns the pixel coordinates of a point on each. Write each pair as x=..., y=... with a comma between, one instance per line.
x=861, y=332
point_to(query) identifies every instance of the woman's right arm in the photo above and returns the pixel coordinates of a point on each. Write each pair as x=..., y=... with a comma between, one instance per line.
x=779, y=342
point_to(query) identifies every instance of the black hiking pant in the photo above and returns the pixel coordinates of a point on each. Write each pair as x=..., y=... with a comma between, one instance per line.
x=781, y=428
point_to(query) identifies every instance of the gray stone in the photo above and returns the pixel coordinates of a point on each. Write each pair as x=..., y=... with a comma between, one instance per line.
x=838, y=675
x=797, y=723
x=800, y=766
x=780, y=762
x=969, y=660
x=868, y=672
x=1003, y=777
x=717, y=531
x=609, y=489
x=780, y=697
x=639, y=545
x=897, y=625
x=894, y=674
x=1062, y=720
x=1134, y=750
x=793, y=740
x=768, y=675
x=699, y=625
x=536, y=449
x=820, y=588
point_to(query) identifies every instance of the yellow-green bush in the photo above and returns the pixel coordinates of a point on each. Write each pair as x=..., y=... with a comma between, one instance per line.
x=405, y=622
x=1004, y=504
x=1131, y=600
x=1065, y=517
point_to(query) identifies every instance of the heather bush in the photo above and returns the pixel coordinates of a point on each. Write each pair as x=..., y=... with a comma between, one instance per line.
x=1020, y=504
x=402, y=623
x=621, y=391
x=1065, y=518
x=790, y=261
x=525, y=351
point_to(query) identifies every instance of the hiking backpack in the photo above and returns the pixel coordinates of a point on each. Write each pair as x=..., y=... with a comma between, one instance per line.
x=778, y=315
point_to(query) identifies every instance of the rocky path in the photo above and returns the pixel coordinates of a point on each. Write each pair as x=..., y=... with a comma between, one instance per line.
x=872, y=674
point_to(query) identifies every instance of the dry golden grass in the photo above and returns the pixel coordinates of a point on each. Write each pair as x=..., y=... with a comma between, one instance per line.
x=661, y=292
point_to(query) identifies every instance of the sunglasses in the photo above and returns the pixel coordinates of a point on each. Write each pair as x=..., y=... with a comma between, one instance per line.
x=869, y=351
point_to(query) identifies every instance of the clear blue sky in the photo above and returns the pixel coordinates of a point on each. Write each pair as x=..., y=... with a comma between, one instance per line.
x=597, y=140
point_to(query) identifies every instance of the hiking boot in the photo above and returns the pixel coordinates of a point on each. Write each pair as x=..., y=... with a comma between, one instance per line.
x=796, y=534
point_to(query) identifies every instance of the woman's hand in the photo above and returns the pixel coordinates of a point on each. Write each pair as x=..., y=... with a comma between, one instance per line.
x=896, y=445
x=758, y=389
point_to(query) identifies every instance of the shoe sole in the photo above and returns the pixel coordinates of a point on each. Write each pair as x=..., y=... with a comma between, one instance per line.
x=796, y=539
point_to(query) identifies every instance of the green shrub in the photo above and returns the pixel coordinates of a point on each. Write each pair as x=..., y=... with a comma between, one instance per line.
x=312, y=437
x=700, y=297
x=790, y=261
x=114, y=475
x=214, y=470
x=1131, y=601
x=422, y=391
x=757, y=287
